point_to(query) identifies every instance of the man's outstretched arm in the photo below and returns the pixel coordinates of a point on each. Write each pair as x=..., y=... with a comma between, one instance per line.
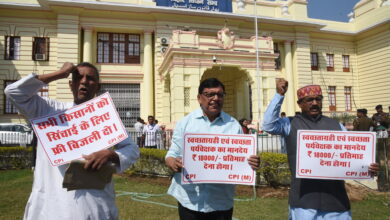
x=272, y=123
x=23, y=93
x=62, y=73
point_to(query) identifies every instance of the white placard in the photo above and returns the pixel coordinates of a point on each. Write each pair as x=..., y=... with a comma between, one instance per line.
x=218, y=158
x=334, y=154
x=80, y=130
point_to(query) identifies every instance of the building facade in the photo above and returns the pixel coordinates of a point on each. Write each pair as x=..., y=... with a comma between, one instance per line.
x=152, y=54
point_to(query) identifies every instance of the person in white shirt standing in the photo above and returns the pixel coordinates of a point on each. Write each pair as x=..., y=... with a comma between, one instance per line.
x=151, y=133
x=48, y=199
x=139, y=128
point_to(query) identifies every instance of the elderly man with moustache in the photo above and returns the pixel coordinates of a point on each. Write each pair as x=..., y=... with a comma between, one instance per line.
x=48, y=199
x=309, y=199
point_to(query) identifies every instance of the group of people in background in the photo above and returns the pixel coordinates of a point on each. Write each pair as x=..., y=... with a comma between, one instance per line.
x=247, y=126
x=379, y=122
x=149, y=134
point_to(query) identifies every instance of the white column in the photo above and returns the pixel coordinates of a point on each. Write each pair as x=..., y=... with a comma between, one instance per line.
x=290, y=78
x=68, y=40
x=239, y=104
x=87, y=44
x=246, y=101
x=148, y=97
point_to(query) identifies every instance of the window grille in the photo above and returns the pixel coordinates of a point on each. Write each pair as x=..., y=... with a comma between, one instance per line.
x=12, y=48
x=314, y=61
x=330, y=62
x=40, y=49
x=332, y=98
x=348, y=98
x=118, y=48
x=126, y=98
x=103, y=48
x=345, y=63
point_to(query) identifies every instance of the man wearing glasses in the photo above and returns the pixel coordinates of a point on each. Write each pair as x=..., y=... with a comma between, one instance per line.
x=308, y=198
x=204, y=201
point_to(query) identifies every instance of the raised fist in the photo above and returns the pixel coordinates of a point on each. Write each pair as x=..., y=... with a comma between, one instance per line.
x=281, y=86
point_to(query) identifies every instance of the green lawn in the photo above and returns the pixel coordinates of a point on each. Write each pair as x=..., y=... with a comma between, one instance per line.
x=15, y=187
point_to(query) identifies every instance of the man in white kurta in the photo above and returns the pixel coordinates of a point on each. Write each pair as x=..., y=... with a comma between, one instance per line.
x=48, y=200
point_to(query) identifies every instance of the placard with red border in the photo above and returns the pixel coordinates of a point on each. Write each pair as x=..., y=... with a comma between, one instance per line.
x=334, y=154
x=218, y=158
x=81, y=130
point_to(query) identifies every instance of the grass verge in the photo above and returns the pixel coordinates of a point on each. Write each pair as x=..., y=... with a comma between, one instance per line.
x=15, y=187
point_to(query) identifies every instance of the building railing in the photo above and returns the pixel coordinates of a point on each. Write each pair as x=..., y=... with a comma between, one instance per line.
x=15, y=138
x=266, y=143
x=162, y=140
x=158, y=139
x=383, y=158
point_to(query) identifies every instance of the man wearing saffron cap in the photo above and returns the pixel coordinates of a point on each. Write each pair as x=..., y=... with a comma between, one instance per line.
x=308, y=198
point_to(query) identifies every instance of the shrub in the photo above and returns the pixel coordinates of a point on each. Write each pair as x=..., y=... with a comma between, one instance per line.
x=151, y=162
x=15, y=157
x=343, y=117
x=273, y=166
x=274, y=169
x=154, y=153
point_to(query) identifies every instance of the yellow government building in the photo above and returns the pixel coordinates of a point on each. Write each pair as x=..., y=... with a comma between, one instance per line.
x=152, y=54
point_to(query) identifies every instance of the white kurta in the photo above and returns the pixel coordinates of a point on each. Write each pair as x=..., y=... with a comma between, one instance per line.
x=48, y=200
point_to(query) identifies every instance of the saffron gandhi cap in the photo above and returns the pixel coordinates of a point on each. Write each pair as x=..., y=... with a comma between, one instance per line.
x=310, y=90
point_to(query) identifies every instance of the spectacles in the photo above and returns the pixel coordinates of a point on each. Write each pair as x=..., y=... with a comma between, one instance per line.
x=213, y=94
x=311, y=99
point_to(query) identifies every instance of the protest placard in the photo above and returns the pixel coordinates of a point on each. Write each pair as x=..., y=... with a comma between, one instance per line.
x=334, y=154
x=80, y=130
x=218, y=158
